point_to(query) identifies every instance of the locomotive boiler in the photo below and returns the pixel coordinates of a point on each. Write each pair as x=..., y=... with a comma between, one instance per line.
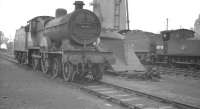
x=81, y=26
x=65, y=45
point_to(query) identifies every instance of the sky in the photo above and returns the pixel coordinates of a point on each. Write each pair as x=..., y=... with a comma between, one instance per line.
x=147, y=15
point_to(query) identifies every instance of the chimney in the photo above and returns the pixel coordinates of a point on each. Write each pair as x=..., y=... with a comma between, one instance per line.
x=78, y=5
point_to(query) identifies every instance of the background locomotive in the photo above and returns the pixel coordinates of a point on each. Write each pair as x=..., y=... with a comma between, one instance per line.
x=66, y=45
x=179, y=48
x=171, y=47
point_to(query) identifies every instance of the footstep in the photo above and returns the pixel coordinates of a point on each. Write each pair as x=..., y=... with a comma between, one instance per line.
x=4, y=97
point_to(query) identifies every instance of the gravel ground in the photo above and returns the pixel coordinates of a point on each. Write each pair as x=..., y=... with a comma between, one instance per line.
x=21, y=88
x=171, y=87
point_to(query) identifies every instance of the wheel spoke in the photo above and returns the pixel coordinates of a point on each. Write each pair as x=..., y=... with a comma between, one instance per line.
x=55, y=69
x=45, y=65
x=67, y=72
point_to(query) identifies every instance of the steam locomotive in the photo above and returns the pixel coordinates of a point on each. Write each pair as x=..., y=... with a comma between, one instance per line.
x=179, y=49
x=65, y=45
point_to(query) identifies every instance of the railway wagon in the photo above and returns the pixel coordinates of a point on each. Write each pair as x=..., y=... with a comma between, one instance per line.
x=179, y=49
x=65, y=45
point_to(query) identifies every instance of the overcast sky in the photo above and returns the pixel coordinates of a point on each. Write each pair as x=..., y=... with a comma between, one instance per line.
x=147, y=15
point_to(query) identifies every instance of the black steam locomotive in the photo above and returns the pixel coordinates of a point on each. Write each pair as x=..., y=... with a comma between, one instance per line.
x=65, y=45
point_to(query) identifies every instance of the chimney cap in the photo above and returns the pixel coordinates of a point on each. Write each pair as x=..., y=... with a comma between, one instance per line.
x=79, y=3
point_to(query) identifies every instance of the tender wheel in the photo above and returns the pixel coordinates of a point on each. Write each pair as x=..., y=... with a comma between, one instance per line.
x=35, y=63
x=45, y=65
x=67, y=72
x=56, y=68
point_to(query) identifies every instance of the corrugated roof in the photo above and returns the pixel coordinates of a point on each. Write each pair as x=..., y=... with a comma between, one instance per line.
x=142, y=40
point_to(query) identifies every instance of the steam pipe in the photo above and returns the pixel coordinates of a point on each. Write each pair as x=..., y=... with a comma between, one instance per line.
x=127, y=14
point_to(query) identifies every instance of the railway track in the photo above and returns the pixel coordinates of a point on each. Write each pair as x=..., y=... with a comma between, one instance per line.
x=129, y=98
x=195, y=73
x=125, y=97
x=179, y=70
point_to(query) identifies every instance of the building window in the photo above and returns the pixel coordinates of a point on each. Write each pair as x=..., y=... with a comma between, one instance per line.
x=159, y=47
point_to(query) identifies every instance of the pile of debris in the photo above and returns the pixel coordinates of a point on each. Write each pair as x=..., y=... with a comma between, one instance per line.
x=151, y=74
